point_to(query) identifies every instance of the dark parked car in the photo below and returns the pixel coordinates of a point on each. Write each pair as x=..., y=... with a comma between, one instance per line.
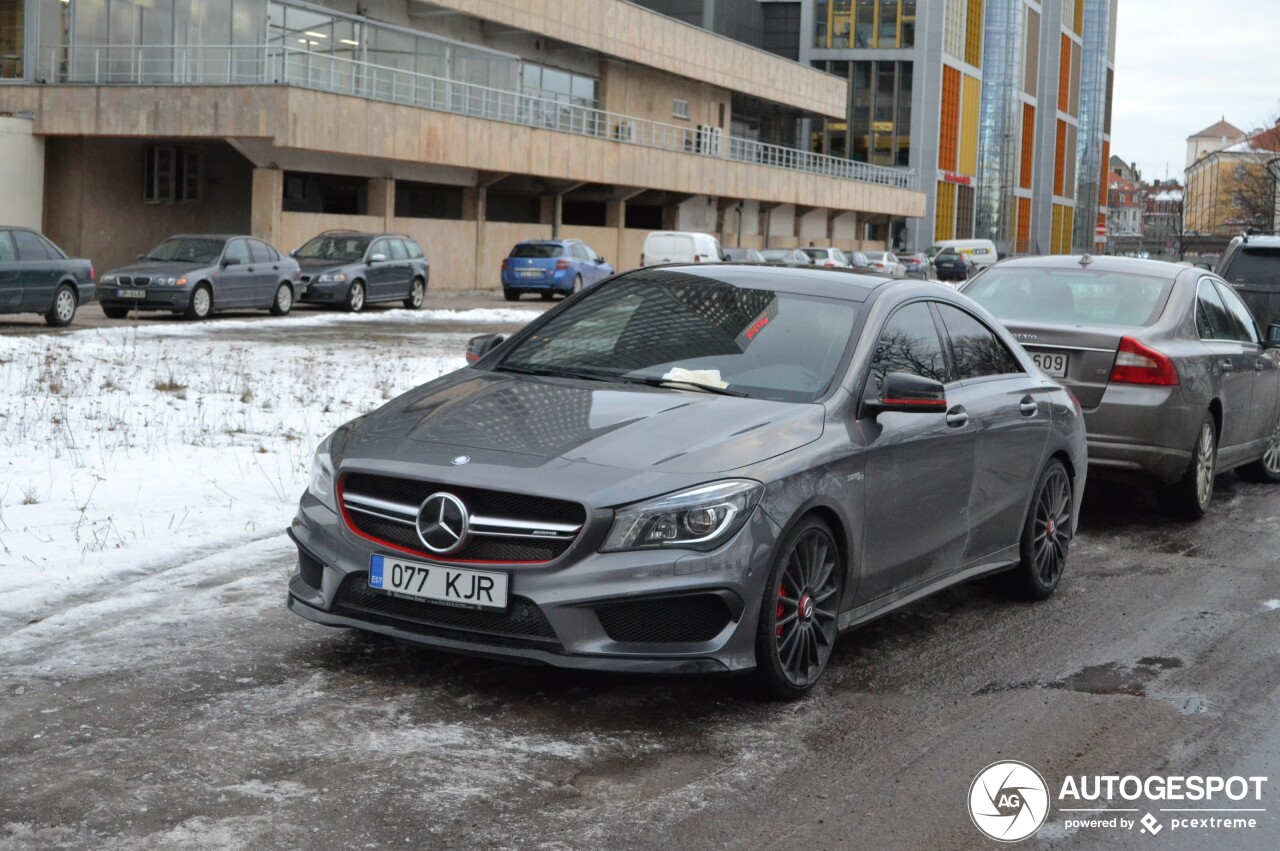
x=1251, y=264
x=550, y=266
x=951, y=265
x=198, y=275
x=697, y=469
x=1176, y=382
x=37, y=276
x=349, y=270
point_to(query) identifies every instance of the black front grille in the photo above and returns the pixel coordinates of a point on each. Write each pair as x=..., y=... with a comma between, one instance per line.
x=665, y=620
x=310, y=569
x=133, y=280
x=522, y=619
x=479, y=501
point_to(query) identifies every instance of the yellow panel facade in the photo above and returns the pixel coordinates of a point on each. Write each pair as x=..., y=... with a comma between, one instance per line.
x=970, y=102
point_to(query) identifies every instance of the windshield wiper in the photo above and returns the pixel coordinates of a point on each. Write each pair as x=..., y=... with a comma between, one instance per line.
x=555, y=373
x=693, y=385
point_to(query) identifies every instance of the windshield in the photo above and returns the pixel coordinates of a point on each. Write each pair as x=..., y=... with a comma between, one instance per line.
x=816, y=253
x=539, y=250
x=188, y=250
x=339, y=248
x=934, y=249
x=660, y=324
x=777, y=253
x=1073, y=296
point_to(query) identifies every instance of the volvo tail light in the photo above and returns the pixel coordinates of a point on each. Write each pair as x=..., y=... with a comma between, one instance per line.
x=1140, y=364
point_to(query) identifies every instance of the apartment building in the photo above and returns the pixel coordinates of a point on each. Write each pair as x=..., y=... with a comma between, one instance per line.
x=467, y=124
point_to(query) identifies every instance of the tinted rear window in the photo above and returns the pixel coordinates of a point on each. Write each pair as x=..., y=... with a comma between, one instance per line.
x=538, y=250
x=1075, y=296
x=1254, y=266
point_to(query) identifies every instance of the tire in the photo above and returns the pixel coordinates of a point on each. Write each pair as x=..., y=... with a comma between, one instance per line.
x=512, y=295
x=112, y=311
x=1189, y=497
x=548, y=295
x=63, y=308
x=283, y=302
x=792, y=648
x=1267, y=468
x=417, y=294
x=577, y=285
x=1046, y=537
x=201, y=304
x=355, y=297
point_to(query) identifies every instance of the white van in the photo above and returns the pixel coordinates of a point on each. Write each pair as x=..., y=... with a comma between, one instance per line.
x=981, y=252
x=672, y=246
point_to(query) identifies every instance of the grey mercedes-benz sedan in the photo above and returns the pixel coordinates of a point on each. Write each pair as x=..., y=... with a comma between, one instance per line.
x=1176, y=381
x=697, y=469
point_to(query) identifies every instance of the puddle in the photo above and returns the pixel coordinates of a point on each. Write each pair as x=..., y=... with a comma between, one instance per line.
x=1111, y=678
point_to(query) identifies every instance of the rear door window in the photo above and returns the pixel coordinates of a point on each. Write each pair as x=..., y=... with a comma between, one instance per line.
x=7, y=254
x=398, y=251
x=261, y=254
x=415, y=251
x=1212, y=320
x=579, y=252
x=1245, y=325
x=30, y=246
x=976, y=351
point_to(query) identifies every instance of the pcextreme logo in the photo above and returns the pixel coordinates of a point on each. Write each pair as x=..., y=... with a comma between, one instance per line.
x=1008, y=801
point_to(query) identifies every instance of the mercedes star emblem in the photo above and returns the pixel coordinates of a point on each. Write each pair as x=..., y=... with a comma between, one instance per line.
x=461, y=459
x=442, y=523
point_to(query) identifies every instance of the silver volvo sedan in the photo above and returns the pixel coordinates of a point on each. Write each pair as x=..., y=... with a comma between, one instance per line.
x=697, y=469
x=1176, y=381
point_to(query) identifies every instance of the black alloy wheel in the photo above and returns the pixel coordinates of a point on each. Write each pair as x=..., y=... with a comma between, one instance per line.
x=1046, y=536
x=798, y=617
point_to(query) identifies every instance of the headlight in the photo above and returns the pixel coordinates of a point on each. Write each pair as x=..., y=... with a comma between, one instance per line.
x=321, y=485
x=699, y=518
x=165, y=282
x=332, y=278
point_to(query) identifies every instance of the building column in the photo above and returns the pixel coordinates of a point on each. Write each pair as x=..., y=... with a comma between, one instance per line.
x=266, y=218
x=382, y=200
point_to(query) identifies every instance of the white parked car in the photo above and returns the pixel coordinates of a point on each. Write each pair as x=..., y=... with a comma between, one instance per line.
x=831, y=258
x=669, y=246
x=886, y=261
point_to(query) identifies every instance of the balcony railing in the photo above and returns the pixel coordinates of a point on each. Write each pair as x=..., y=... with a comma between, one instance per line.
x=241, y=65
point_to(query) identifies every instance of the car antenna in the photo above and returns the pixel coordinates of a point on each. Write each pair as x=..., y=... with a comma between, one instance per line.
x=1085, y=260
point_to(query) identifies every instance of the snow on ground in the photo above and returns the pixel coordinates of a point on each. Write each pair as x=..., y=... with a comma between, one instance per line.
x=128, y=449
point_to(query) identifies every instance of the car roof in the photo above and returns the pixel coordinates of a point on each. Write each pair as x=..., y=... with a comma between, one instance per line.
x=1098, y=263
x=547, y=241
x=848, y=284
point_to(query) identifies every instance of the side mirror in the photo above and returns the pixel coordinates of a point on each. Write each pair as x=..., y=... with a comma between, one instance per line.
x=601, y=260
x=294, y=253
x=1273, y=336
x=229, y=261
x=906, y=393
x=377, y=258
x=478, y=347
x=142, y=256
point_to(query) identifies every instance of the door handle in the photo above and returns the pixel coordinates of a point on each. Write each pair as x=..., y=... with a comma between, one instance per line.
x=1259, y=365
x=1226, y=365
x=1028, y=406
x=248, y=268
x=957, y=416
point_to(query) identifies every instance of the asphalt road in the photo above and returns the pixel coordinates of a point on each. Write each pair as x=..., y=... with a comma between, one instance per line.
x=188, y=709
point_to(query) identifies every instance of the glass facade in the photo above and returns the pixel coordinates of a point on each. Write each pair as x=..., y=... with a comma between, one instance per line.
x=13, y=39
x=864, y=23
x=1000, y=130
x=1090, y=153
x=880, y=111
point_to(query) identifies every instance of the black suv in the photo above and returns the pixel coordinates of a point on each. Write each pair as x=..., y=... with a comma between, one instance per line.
x=351, y=269
x=1251, y=264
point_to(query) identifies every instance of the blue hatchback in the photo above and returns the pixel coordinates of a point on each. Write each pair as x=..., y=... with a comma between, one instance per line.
x=550, y=266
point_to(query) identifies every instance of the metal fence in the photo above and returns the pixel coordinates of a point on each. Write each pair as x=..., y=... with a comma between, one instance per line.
x=240, y=65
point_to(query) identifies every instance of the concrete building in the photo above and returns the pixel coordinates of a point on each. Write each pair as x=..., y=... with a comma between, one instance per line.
x=1125, y=206
x=467, y=124
x=1232, y=187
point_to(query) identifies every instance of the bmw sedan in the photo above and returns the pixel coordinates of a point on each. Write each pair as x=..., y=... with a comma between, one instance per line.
x=37, y=276
x=1176, y=381
x=696, y=469
x=199, y=275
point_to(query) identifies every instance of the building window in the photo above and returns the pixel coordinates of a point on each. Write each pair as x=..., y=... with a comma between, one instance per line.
x=172, y=175
x=680, y=109
x=12, y=40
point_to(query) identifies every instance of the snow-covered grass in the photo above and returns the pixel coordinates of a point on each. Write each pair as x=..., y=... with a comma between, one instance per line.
x=128, y=449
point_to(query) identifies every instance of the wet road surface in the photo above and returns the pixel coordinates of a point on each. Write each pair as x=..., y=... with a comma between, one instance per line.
x=189, y=709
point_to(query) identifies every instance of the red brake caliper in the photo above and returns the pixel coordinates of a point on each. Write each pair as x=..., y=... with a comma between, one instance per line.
x=782, y=592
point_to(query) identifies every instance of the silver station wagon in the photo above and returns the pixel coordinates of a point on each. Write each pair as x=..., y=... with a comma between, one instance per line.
x=697, y=469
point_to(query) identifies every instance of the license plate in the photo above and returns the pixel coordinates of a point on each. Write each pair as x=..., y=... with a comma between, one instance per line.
x=1051, y=363
x=529, y=273
x=131, y=293
x=453, y=586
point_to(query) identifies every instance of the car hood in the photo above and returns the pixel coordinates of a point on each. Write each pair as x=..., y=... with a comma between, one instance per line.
x=158, y=267
x=532, y=420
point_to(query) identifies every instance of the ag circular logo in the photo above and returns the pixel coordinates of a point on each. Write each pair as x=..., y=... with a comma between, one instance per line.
x=442, y=523
x=1008, y=801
